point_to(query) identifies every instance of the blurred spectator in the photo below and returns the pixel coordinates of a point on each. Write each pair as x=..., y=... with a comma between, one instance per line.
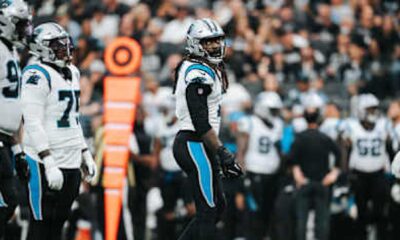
x=97, y=71
x=103, y=26
x=175, y=30
x=236, y=99
x=90, y=105
x=115, y=7
x=340, y=10
x=152, y=58
x=167, y=74
x=64, y=19
x=324, y=30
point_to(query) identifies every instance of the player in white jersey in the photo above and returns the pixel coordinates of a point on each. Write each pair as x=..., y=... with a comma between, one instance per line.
x=369, y=144
x=331, y=123
x=173, y=182
x=258, y=151
x=200, y=81
x=14, y=30
x=394, y=115
x=53, y=138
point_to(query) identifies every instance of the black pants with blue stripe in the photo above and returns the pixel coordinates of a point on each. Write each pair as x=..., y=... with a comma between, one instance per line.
x=203, y=174
x=49, y=208
x=8, y=191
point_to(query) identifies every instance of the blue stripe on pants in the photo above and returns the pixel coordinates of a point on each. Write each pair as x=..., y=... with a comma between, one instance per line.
x=198, y=154
x=2, y=202
x=35, y=188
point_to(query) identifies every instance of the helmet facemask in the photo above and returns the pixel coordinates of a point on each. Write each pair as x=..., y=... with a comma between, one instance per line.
x=61, y=50
x=206, y=39
x=23, y=30
x=213, y=48
x=371, y=115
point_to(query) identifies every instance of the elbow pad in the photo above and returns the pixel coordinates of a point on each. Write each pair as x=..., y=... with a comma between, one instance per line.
x=196, y=98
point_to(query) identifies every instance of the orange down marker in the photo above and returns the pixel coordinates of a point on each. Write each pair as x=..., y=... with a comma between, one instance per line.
x=121, y=96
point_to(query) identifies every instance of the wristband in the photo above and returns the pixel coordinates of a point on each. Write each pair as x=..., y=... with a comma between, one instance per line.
x=48, y=162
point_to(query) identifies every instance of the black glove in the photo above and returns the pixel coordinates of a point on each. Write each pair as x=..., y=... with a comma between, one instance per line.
x=21, y=166
x=230, y=168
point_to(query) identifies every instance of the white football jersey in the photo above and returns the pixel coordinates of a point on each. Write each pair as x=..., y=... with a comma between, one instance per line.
x=58, y=127
x=368, y=152
x=10, y=79
x=395, y=135
x=330, y=127
x=261, y=155
x=299, y=124
x=191, y=72
x=166, y=133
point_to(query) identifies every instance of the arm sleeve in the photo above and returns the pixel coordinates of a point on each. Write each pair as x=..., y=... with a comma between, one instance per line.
x=293, y=158
x=34, y=92
x=196, y=98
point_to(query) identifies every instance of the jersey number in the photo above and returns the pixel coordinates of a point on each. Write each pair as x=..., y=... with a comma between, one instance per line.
x=12, y=76
x=369, y=147
x=71, y=97
x=264, y=145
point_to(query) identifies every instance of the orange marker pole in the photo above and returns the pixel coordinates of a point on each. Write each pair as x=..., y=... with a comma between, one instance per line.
x=121, y=96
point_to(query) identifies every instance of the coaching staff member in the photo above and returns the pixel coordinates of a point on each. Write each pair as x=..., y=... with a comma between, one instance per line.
x=313, y=175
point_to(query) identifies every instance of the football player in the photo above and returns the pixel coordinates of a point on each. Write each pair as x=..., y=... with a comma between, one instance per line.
x=173, y=180
x=258, y=152
x=394, y=115
x=53, y=138
x=14, y=29
x=332, y=121
x=369, y=144
x=200, y=81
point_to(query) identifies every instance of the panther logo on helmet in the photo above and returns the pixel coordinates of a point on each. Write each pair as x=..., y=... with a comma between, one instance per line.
x=51, y=43
x=200, y=35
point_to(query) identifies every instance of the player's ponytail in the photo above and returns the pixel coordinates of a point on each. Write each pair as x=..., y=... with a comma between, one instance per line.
x=176, y=74
x=224, y=76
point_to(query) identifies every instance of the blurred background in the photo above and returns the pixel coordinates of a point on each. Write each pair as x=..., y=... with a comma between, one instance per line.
x=333, y=50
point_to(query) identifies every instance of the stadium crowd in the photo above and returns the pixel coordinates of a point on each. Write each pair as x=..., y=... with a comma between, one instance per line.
x=320, y=53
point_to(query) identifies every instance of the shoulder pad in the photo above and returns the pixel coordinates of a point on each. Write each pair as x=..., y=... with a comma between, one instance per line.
x=199, y=73
x=33, y=74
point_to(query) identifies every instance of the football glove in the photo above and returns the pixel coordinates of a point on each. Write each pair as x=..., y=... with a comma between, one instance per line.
x=88, y=166
x=54, y=175
x=230, y=168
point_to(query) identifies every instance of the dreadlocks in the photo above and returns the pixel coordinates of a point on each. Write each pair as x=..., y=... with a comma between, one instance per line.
x=220, y=67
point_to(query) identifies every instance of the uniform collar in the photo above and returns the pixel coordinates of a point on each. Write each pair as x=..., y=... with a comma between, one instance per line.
x=64, y=71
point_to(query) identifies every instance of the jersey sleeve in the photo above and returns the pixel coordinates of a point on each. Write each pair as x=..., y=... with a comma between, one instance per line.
x=34, y=92
x=3, y=68
x=199, y=73
x=196, y=98
x=244, y=125
x=344, y=129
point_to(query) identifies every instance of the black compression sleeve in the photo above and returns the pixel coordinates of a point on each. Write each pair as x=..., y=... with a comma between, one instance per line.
x=196, y=98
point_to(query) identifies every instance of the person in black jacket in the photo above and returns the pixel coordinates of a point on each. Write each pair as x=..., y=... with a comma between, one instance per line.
x=313, y=174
